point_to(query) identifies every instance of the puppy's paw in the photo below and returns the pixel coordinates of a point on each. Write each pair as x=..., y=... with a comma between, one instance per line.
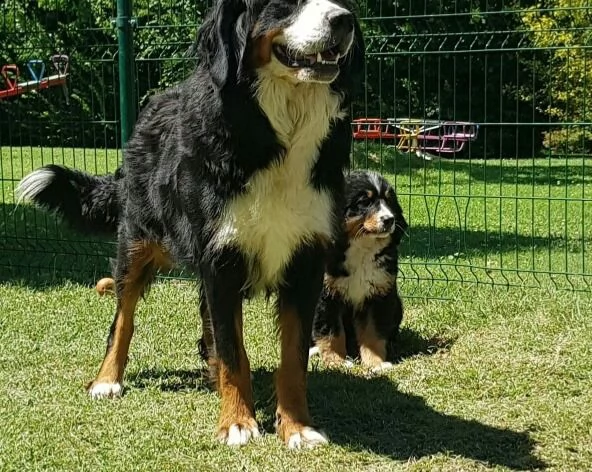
x=314, y=351
x=382, y=367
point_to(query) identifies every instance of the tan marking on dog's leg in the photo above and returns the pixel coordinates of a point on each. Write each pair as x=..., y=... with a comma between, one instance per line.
x=293, y=419
x=237, y=424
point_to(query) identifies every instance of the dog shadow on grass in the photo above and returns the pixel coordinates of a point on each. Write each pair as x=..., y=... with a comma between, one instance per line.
x=408, y=344
x=170, y=380
x=371, y=414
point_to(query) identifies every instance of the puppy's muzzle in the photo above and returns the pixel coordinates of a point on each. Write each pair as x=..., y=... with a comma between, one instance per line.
x=388, y=223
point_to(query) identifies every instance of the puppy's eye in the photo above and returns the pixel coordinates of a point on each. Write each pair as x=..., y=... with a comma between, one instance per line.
x=364, y=200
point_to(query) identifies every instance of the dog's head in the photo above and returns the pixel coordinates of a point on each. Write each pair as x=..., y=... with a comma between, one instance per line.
x=316, y=41
x=372, y=208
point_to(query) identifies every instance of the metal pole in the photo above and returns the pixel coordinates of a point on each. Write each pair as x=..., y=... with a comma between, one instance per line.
x=127, y=108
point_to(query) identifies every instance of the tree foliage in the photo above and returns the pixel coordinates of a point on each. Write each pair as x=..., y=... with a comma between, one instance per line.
x=562, y=29
x=514, y=63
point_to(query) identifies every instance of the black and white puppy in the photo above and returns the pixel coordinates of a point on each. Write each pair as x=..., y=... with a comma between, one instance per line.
x=360, y=309
x=236, y=174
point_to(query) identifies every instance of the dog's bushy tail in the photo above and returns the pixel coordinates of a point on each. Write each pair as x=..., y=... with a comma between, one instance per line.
x=88, y=203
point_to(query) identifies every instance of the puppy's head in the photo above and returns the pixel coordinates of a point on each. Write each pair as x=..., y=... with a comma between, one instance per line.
x=297, y=40
x=372, y=209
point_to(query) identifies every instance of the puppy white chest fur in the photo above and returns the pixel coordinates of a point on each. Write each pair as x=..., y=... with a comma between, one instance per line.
x=280, y=208
x=365, y=277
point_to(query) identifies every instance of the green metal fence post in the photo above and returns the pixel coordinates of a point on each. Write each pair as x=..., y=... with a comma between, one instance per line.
x=127, y=108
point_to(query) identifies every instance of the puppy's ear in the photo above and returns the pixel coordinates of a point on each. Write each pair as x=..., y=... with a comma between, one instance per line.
x=400, y=221
x=401, y=228
x=222, y=40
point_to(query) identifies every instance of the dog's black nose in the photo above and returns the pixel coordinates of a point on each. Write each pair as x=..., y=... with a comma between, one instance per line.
x=342, y=24
x=388, y=221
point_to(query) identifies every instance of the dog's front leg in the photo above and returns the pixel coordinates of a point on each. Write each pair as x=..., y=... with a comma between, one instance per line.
x=223, y=279
x=297, y=300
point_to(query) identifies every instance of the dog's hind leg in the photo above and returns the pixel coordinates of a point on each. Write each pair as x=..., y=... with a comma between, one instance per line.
x=223, y=281
x=206, y=342
x=297, y=300
x=135, y=269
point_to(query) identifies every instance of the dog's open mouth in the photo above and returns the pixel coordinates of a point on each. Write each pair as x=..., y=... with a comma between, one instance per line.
x=321, y=60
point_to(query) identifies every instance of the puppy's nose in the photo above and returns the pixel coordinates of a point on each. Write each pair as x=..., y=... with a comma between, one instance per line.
x=341, y=23
x=388, y=221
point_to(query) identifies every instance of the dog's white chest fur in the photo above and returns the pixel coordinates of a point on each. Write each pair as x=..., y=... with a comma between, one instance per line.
x=280, y=208
x=365, y=277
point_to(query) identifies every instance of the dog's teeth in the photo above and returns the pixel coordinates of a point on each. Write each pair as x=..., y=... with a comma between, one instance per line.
x=319, y=57
x=337, y=58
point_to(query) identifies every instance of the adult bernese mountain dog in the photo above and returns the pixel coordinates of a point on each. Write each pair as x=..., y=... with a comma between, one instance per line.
x=360, y=310
x=238, y=174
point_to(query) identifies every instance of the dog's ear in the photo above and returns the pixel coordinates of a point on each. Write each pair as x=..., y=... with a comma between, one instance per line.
x=352, y=71
x=222, y=40
x=358, y=53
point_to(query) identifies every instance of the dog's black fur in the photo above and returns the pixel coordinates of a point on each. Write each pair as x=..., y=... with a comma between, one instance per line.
x=360, y=310
x=195, y=151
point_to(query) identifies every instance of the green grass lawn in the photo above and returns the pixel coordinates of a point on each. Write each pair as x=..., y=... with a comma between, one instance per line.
x=524, y=222
x=487, y=377
x=499, y=380
x=33, y=244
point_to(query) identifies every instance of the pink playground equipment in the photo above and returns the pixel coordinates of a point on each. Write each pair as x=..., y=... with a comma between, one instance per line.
x=11, y=74
x=423, y=137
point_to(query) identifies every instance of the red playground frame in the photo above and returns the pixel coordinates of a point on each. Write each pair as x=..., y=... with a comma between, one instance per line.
x=10, y=73
x=418, y=135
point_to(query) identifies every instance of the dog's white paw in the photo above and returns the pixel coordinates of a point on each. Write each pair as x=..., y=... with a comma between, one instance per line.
x=307, y=438
x=105, y=390
x=348, y=364
x=238, y=435
x=314, y=351
x=382, y=367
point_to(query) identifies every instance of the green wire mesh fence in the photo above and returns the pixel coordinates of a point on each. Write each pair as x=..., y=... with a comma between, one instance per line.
x=477, y=112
